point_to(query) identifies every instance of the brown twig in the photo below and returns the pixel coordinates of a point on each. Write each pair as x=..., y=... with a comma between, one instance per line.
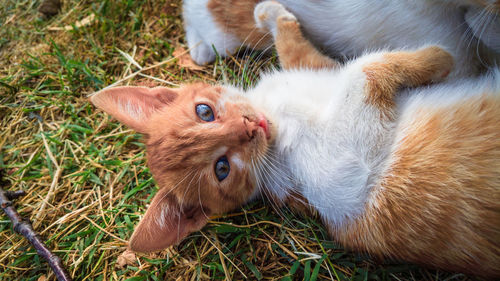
x=24, y=228
x=13, y=195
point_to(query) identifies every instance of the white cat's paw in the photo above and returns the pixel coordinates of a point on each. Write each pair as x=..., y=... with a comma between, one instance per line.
x=267, y=14
x=200, y=52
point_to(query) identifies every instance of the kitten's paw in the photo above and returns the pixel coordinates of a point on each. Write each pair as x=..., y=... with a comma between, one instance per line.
x=440, y=62
x=268, y=13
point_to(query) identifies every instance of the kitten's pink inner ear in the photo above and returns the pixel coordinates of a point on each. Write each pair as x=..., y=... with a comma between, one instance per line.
x=133, y=106
x=164, y=224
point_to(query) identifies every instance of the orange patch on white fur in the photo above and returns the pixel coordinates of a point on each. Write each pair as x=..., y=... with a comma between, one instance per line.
x=236, y=17
x=295, y=51
x=439, y=203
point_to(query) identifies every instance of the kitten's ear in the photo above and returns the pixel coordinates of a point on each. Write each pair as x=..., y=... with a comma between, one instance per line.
x=166, y=223
x=133, y=106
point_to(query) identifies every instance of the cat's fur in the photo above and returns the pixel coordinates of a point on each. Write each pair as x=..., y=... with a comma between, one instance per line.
x=349, y=28
x=407, y=173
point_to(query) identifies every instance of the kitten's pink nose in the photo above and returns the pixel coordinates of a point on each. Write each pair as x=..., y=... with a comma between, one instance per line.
x=264, y=125
x=250, y=129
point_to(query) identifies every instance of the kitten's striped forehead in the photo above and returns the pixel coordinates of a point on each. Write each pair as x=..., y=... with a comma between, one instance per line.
x=221, y=98
x=186, y=141
x=228, y=96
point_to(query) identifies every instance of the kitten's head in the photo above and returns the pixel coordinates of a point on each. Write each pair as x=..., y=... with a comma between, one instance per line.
x=200, y=141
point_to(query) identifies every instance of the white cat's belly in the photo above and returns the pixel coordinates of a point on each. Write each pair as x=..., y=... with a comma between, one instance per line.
x=351, y=28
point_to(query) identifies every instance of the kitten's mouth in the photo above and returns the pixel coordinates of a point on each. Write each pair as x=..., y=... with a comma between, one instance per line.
x=264, y=124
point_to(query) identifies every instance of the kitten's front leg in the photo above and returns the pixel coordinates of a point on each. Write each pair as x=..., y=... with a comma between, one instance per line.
x=388, y=72
x=293, y=49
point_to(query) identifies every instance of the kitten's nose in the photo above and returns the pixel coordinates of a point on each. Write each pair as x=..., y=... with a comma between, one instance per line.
x=249, y=129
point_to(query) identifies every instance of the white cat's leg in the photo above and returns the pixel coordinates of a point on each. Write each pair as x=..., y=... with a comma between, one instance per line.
x=204, y=34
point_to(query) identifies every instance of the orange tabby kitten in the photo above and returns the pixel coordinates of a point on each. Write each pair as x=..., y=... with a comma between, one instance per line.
x=394, y=171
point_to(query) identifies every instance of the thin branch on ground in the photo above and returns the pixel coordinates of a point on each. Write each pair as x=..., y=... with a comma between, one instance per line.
x=24, y=228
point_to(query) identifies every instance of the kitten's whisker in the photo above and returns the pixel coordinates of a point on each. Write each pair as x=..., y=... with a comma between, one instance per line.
x=280, y=185
x=199, y=196
x=490, y=20
x=262, y=63
x=257, y=60
x=185, y=192
x=242, y=45
x=181, y=203
x=481, y=20
x=263, y=190
x=253, y=60
x=268, y=178
x=474, y=38
x=264, y=66
x=272, y=162
x=277, y=206
x=175, y=186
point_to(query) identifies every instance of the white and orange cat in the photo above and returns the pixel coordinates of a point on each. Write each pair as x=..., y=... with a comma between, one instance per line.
x=395, y=166
x=347, y=28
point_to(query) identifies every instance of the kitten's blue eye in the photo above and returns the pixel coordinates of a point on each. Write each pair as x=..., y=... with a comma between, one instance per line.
x=222, y=168
x=205, y=112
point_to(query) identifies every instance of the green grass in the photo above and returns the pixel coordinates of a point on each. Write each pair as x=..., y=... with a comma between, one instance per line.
x=90, y=171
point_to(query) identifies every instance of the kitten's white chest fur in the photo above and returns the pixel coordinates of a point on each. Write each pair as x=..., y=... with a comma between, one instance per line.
x=333, y=161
